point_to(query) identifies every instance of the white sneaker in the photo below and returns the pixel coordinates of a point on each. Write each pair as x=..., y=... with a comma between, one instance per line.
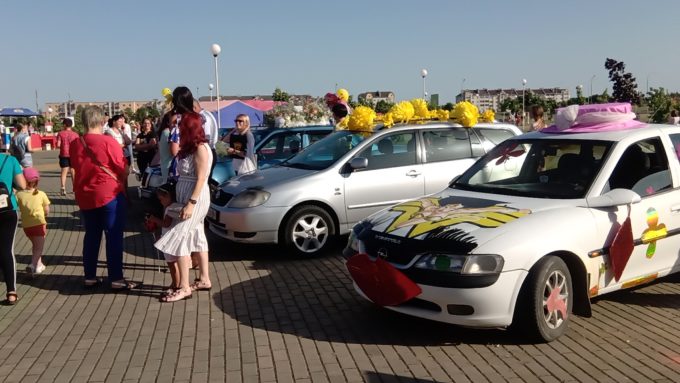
x=40, y=269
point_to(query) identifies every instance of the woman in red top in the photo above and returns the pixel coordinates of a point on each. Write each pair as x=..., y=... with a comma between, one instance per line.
x=64, y=140
x=100, y=173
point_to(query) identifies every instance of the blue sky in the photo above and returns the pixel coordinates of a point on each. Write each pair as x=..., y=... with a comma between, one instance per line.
x=124, y=49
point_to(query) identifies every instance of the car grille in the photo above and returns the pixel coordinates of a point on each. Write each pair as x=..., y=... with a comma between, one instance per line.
x=220, y=198
x=397, y=250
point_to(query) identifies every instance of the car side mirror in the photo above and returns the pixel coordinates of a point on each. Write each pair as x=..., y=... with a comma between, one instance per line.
x=358, y=163
x=613, y=198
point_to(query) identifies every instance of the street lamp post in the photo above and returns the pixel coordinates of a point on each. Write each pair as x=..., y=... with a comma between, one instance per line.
x=590, y=99
x=211, y=87
x=524, y=85
x=423, y=74
x=215, y=49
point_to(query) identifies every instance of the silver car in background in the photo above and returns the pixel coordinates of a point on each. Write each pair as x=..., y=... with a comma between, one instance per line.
x=306, y=201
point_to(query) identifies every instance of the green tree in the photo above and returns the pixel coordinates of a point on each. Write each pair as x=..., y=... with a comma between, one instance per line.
x=660, y=104
x=625, y=87
x=383, y=106
x=146, y=112
x=280, y=95
x=448, y=106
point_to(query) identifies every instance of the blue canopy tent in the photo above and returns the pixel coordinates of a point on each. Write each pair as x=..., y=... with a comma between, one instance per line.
x=17, y=112
x=228, y=114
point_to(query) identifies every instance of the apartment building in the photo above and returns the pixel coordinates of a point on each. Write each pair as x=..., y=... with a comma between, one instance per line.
x=493, y=98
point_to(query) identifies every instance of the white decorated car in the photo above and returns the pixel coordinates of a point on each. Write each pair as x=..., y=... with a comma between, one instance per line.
x=534, y=229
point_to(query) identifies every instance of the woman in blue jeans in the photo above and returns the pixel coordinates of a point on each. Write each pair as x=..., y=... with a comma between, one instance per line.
x=99, y=188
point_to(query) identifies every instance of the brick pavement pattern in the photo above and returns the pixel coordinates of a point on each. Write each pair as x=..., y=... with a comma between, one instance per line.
x=271, y=318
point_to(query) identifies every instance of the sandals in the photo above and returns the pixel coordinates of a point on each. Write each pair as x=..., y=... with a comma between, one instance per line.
x=199, y=285
x=124, y=286
x=63, y=191
x=177, y=295
x=169, y=291
x=10, y=301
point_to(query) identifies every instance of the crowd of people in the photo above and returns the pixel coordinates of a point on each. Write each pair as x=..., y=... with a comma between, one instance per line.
x=182, y=142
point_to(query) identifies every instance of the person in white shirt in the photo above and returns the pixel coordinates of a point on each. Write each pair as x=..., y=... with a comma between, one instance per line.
x=210, y=129
x=674, y=118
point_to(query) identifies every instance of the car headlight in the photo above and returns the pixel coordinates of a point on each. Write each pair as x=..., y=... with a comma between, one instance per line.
x=474, y=264
x=249, y=198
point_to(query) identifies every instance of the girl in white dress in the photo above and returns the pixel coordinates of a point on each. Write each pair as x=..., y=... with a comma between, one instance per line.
x=188, y=238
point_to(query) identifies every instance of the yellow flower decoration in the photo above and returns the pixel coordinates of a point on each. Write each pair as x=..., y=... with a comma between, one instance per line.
x=442, y=114
x=489, y=116
x=167, y=93
x=361, y=119
x=342, y=125
x=402, y=111
x=466, y=114
x=387, y=119
x=420, y=108
x=343, y=94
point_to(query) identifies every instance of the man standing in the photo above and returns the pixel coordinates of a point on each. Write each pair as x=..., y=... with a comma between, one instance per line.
x=64, y=140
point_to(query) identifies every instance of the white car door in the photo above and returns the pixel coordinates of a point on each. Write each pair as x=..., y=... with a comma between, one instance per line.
x=643, y=168
x=393, y=175
x=447, y=154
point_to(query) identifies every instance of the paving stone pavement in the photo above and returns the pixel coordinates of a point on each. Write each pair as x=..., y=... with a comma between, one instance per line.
x=271, y=318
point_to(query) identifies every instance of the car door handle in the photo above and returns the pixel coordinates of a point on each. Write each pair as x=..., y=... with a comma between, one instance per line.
x=413, y=173
x=675, y=208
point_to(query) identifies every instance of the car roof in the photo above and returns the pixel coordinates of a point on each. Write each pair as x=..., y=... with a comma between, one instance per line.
x=446, y=124
x=614, y=135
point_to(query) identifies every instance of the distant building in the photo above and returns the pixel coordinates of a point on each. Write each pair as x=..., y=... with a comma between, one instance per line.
x=68, y=108
x=493, y=98
x=376, y=96
x=294, y=97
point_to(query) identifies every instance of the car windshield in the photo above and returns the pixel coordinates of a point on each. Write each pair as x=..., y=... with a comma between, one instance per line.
x=326, y=151
x=540, y=168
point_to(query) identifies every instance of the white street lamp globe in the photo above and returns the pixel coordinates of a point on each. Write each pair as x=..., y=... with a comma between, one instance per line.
x=524, y=81
x=49, y=110
x=423, y=72
x=215, y=49
x=211, y=86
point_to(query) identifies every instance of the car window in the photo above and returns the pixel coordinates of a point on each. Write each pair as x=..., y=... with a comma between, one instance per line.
x=556, y=168
x=280, y=146
x=642, y=168
x=391, y=151
x=493, y=137
x=447, y=144
x=326, y=151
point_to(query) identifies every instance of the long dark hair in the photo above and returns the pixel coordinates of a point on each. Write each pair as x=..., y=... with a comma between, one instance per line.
x=182, y=100
x=164, y=124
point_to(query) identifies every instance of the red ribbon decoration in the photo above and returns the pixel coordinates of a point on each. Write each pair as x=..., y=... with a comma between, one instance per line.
x=381, y=282
x=509, y=152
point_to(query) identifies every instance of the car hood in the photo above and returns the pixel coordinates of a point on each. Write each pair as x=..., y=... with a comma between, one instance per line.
x=457, y=220
x=264, y=178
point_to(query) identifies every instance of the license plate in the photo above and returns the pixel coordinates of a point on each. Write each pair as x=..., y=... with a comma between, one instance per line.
x=212, y=214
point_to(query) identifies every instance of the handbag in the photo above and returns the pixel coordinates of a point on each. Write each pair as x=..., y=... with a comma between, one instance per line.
x=96, y=161
x=5, y=193
x=247, y=166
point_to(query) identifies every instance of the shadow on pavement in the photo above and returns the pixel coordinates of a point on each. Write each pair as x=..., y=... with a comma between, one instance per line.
x=314, y=298
x=646, y=298
x=379, y=377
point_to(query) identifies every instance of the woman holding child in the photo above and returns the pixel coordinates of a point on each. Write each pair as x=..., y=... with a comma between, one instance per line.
x=187, y=237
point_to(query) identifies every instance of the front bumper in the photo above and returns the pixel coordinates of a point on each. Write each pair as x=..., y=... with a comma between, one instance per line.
x=490, y=306
x=251, y=225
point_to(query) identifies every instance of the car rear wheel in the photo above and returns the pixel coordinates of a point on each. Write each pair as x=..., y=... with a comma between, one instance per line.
x=308, y=230
x=546, y=301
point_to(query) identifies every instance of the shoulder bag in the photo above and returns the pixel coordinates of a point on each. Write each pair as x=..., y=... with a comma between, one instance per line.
x=96, y=161
x=5, y=193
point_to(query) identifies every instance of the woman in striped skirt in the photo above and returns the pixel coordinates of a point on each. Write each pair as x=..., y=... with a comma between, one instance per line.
x=187, y=238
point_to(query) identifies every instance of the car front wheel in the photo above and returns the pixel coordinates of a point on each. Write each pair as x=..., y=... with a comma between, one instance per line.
x=546, y=301
x=308, y=230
